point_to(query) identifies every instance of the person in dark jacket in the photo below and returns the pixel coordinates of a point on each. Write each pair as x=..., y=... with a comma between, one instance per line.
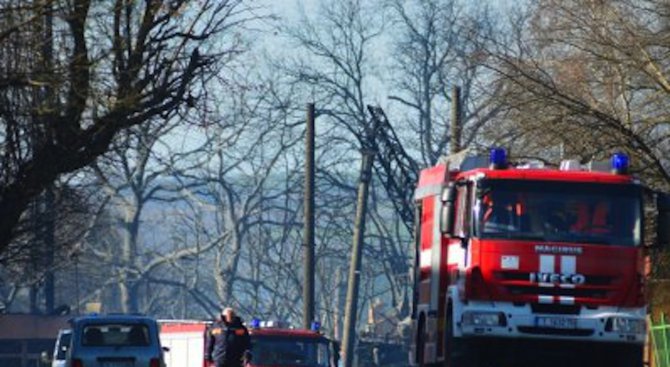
x=227, y=342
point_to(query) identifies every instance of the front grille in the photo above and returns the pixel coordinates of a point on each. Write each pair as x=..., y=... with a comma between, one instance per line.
x=551, y=331
x=558, y=291
x=556, y=309
x=596, y=287
x=597, y=280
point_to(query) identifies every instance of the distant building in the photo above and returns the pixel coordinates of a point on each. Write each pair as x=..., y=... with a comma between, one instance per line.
x=23, y=338
x=384, y=339
x=384, y=324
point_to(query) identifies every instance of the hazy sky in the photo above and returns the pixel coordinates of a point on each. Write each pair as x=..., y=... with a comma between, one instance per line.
x=277, y=45
x=289, y=8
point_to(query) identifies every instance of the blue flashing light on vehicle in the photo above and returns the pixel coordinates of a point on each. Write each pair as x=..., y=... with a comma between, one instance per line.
x=620, y=163
x=255, y=323
x=315, y=326
x=498, y=158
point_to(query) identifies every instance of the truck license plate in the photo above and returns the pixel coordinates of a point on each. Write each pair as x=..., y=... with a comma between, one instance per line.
x=556, y=322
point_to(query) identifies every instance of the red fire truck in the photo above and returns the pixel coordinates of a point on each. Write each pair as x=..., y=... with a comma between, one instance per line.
x=514, y=261
x=274, y=344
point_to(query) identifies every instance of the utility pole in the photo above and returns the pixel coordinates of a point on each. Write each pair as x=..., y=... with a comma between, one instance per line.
x=75, y=257
x=48, y=231
x=308, y=240
x=355, y=265
x=337, y=326
x=456, y=124
x=50, y=248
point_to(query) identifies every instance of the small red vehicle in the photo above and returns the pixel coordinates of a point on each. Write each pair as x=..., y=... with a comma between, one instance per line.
x=273, y=344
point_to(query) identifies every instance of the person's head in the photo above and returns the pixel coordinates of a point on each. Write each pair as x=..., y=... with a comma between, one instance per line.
x=227, y=314
x=556, y=216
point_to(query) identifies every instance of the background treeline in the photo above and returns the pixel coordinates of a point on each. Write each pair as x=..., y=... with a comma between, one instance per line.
x=151, y=152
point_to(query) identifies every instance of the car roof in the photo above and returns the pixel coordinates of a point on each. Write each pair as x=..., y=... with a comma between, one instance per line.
x=121, y=318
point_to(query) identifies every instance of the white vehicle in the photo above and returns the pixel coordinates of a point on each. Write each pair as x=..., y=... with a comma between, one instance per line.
x=185, y=340
x=115, y=341
x=57, y=359
x=61, y=348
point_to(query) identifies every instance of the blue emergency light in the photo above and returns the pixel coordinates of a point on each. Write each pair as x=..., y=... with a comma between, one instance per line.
x=315, y=326
x=498, y=158
x=255, y=323
x=620, y=163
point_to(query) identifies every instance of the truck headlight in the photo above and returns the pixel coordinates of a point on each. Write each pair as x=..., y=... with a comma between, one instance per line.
x=625, y=325
x=477, y=318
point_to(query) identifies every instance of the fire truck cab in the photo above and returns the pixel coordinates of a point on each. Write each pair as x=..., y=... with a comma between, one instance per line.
x=514, y=256
x=275, y=344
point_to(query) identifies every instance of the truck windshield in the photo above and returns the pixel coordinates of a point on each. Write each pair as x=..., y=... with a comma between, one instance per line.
x=283, y=351
x=608, y=214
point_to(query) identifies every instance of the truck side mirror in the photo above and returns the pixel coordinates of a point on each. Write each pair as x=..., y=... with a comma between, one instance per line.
x=663, y=221
x=447, y=212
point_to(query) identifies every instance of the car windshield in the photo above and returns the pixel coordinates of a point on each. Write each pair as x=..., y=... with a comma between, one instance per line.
x=608, y=214
x=115, y=334
x=282, y=351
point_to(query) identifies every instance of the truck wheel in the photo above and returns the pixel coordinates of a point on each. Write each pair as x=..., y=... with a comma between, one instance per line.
x=457, y=350
x=420, y=339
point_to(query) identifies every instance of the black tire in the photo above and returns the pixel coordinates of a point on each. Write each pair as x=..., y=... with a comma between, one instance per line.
x=420, y=341
x=458, y=351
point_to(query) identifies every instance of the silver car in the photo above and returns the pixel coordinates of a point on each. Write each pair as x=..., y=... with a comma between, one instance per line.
x=57, y=358
x=115, y=341
x=61, y=348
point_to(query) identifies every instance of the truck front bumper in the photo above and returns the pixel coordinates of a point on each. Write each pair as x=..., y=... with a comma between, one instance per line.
x=501, y=319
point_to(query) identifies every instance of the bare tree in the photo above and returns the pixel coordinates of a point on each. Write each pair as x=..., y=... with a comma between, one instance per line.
x=338, y=64
x=136, y=177
x=439, y=45
x=114, y=65
x=239, y=181
x=44, y=245
x=584, y=79
x=341, y=67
